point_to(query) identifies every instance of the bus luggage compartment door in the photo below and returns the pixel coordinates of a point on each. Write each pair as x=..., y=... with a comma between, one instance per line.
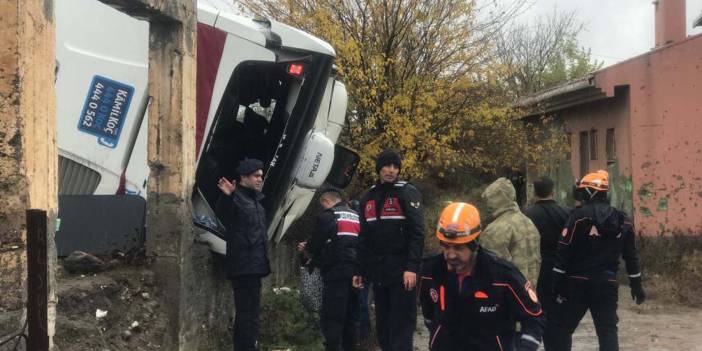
x=100, y=224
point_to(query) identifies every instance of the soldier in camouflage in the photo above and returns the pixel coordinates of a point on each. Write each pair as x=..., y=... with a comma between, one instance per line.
x=511, y=235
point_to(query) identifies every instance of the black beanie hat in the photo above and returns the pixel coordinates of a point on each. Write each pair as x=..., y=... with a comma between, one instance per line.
x=248, y=166
x=387, y=157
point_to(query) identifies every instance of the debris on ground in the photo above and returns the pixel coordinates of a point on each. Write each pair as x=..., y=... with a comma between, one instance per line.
x=79, y=262
x=100, y=314
x=108, y=309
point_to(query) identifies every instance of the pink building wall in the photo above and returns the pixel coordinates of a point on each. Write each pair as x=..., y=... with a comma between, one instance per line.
x=601, y=115
x=664, y=123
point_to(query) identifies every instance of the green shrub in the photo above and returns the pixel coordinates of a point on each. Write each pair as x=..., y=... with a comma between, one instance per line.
x=285, y=324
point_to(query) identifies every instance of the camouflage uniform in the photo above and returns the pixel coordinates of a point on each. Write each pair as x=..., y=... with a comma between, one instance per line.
x=511, y=235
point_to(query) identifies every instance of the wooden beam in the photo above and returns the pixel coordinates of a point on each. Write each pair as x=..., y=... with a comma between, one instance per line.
x=37, y=281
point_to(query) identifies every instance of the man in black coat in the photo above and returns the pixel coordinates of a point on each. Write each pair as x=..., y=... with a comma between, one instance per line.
x=549, y=218
x=239, y=207
x=332, y=248
x=391, y=246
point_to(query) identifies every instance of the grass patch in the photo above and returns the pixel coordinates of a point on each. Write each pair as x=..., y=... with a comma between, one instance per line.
x=286, y=325
x=672, y=267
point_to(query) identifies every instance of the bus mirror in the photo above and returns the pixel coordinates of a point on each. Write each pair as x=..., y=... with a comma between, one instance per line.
x=344, y=167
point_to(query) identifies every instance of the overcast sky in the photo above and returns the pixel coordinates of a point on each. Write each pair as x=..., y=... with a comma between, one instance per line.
x=615, y=30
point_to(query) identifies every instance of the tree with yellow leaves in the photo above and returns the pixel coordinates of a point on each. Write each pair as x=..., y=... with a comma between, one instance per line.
x=421, y=79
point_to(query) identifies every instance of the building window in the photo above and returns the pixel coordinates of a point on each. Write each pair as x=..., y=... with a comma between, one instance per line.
x=611, y=146
x=593, y=144
x=569, y=151
x=583, y=153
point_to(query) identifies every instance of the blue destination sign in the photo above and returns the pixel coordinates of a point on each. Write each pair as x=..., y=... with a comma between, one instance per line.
x=105, y=110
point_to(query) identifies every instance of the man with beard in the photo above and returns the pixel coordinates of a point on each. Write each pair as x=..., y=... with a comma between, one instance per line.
x=471, y=298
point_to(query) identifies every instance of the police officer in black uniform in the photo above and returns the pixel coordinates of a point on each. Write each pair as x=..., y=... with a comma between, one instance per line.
x=392, y=242
x=332, y=248
x=471, y=298
x=585, y=271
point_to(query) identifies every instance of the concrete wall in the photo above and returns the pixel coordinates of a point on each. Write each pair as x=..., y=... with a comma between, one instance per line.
x=599, y=115
x=611, y=113
x=653, y=103
x=28, y=155
x=606, y=114
x=666, y=149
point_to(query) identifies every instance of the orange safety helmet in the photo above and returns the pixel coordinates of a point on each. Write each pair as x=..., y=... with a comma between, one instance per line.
x=459, y=223
x=598, y=181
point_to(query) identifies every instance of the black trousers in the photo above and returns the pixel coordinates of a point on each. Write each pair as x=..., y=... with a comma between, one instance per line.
x=395, y=316
x=340, y=314
x=247, y=305
x=600, y=296
x=544, y=286
x=545, y=293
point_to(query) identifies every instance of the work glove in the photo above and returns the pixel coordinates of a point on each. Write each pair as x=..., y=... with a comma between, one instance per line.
x=526, y=345
x=637, y=291
x=561, y=287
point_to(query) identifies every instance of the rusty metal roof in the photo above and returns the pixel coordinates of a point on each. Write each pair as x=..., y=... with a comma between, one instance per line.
x=562, y=96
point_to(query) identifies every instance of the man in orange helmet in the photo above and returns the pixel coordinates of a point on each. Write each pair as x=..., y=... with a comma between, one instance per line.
x=471, y=298
x=585, y=269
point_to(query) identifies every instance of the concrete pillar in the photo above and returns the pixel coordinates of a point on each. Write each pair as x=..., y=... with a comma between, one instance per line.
x=171, y=158
x=189, y=280
x=28, y=155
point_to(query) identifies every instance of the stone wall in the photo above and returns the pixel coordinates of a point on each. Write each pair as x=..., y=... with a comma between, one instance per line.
x=28, y=157
x=188, y=276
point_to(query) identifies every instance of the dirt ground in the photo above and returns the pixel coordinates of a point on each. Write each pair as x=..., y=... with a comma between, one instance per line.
x=125, y=295
x=653, y=326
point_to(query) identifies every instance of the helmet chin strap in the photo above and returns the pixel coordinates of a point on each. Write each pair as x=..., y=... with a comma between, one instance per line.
x=591, y=193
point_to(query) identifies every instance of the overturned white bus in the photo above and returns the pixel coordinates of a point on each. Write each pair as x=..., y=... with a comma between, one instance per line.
x=264, y=90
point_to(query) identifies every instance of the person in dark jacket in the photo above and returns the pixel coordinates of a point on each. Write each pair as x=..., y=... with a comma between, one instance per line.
x=585, y=270
x=392, y=242
x=471, y=298
x=332, y=248
x=239, y=207
x=549, y=218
